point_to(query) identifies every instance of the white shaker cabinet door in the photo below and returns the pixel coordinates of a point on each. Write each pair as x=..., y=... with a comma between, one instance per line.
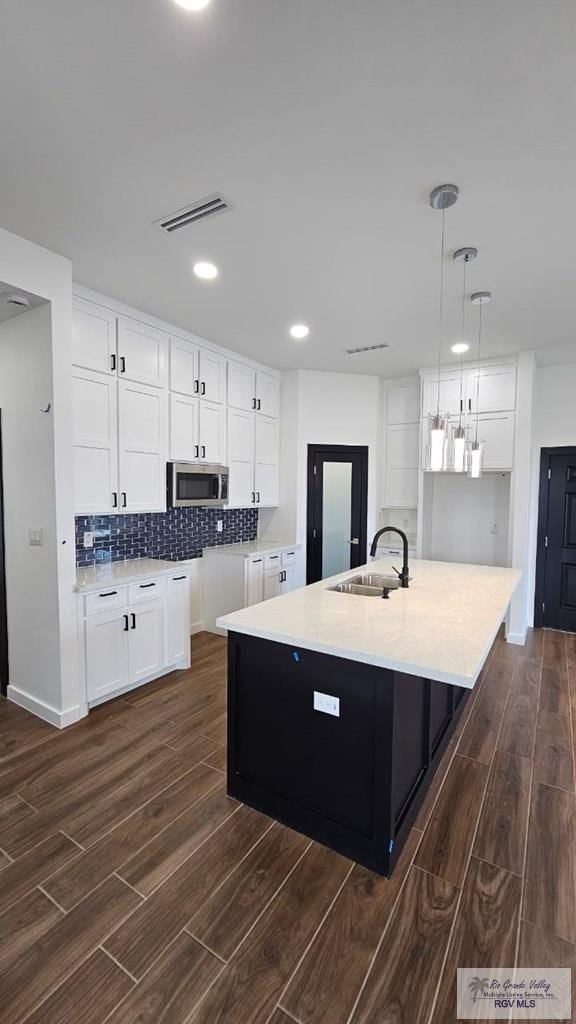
x=496, y=435
x=401, y=469
x=266, y=482
x=403, y=404
x=211, y=432
x=106, y=653
x=491, y=389
x=183, y=367
x=95, y=440
x=241, y=386
x=254, y=581
x=272, y=584
x=184, y=443
x=450, y=389
x=142, y=353
x=146, y=641
x=267, y=394
x=177, y=619
x=93, y=336
x=241, y=458
x=211, y=375
x=143, y=429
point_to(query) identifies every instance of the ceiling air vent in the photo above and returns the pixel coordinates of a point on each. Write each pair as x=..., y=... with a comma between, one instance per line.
x=207, y=207
x=366, y=348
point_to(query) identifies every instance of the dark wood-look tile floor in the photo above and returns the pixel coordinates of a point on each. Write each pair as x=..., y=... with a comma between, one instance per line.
x=134, y=891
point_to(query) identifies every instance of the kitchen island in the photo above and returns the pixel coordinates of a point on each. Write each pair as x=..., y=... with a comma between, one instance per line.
x=340, y=705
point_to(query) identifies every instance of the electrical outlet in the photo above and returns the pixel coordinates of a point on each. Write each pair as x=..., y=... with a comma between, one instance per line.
x=494, y=529
x=88, y=540
x=36, y=536
x=219, y=526
x=327, y=704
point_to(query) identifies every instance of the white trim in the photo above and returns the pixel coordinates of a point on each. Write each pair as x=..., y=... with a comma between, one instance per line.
x=60, y=719
x=516, y=638
x=121, y=309
x=196, y=627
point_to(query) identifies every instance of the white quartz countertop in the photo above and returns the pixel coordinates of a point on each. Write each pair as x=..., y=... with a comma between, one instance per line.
x=94, y=577
x=251, y=547
x=442, y=627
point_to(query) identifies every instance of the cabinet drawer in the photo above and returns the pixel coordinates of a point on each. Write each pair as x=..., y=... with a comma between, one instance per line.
x=109, y=597
x=288, y=558
x=147, y=590
x=272, y=562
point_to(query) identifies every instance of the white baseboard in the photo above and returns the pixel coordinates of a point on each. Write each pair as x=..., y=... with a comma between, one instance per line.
x=196, y=627
x=60, y=719
x=516, y=638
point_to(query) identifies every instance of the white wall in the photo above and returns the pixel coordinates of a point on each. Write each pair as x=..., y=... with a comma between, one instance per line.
x=461, y=514
x=554, y=426
x=323, y=408
x=26, y=266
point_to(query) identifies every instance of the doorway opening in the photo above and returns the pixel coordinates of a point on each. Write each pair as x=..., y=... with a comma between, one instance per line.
x=555, y=596
x=337, y=509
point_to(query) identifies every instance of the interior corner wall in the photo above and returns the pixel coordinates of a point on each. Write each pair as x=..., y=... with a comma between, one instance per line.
x=26, y=266
x=520, y=496
x=553, y=426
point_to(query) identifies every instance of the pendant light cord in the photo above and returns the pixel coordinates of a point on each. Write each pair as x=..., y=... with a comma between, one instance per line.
x=442, y=259
x=478, y=371
x=463, y=329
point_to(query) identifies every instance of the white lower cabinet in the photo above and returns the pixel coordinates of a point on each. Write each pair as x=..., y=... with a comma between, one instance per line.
x=254, y=581
x=143, y=632
x=289, y=576
x=272, y=576
x=233, y=579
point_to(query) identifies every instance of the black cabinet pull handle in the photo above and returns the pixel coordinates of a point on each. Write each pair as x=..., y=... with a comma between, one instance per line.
x=112, y=362
x=203, y=388
x=259, y=405
x=109, y=593
x=258, y=497
x=461, y=405
x=196, y=451
x=145, y=586
x=203, y=451
x=196, y=386
x=125, y=617
x=133, y=617
x=254, y=403
x=469, y=405
x=122, y=364
x=114, y=499
x=253, y=497
x=124, y=502
x=176, y=578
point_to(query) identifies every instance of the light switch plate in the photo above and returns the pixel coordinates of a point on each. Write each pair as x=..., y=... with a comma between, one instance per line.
x=36, y=536
x=219, y=526
x=88, y=539
x=327, y=704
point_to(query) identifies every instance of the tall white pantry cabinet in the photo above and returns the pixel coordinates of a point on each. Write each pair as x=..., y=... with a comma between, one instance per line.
x=143, y=396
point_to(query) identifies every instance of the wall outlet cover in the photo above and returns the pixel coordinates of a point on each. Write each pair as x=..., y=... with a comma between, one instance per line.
x=327, y=704
x=88, y=539
x=36, y=536
x=219, y=526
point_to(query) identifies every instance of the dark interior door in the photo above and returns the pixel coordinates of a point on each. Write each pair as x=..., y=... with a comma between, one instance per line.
x=337, y=509
x=3, y=620
x=558, y=540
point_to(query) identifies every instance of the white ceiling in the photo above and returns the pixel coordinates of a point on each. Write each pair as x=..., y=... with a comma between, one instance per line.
x=326, y=122
x=8, y=310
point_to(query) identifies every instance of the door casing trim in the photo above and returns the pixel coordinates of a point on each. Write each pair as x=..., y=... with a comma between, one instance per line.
x=543, y=498
x=336, y=449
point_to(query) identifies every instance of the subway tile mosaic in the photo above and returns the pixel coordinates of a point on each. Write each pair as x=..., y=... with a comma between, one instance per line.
x=179, y=533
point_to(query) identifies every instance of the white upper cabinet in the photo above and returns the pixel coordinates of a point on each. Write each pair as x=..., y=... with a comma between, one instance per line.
x=403, y=405
x=495, y=387
x=266, y=483
x=241, y=386
x=183, y=367
x=142, y=353
x=143, y=431
x=450, y=394
x=401, y=467
x=211, y=376
x=212, y=432
x=93, y=337
x=184, y=443
x=241, y=429
x=496, y=435
x=95, y=441
x=267, y=394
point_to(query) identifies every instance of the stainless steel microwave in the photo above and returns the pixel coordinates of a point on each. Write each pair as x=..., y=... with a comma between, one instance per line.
x=192, y=484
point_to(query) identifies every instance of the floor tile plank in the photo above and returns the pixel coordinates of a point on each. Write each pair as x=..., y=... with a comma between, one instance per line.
x=89, y=869
x=172, y=987
x=550, y=880
x=554, y=759
x=251, y=984
x=23, y=924
x=449, y=834
x=519, y=726
x=554, y=691
x=484, y=932
x=22, y=875
x=503, y=826
x=88, y=996
x=63, y=948
x=479, y=737
x=12, y=810
x=402, y=982
x=325, y=986
x=226, y=918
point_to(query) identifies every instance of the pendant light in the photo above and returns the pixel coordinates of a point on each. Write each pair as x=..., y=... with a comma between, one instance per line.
x=459, y=454
x=479, y=299
x=441, y=198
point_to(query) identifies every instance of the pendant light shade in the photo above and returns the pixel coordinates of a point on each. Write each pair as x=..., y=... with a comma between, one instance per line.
x=458, y=453
x=459, y=450
x=479, y=299
x=441, y=198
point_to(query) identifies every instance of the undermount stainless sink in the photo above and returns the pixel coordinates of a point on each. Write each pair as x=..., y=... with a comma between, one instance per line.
x=367, y=585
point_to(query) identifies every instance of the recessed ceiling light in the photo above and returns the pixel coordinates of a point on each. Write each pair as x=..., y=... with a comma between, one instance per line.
x=205, y=271
x=192, y=5
x=299, y=331
x=460, y=348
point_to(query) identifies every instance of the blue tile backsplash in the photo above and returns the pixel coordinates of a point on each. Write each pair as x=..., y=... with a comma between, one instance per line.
x=177, y=534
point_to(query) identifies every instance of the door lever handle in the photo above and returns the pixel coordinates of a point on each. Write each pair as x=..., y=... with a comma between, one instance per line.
x=355, y=540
